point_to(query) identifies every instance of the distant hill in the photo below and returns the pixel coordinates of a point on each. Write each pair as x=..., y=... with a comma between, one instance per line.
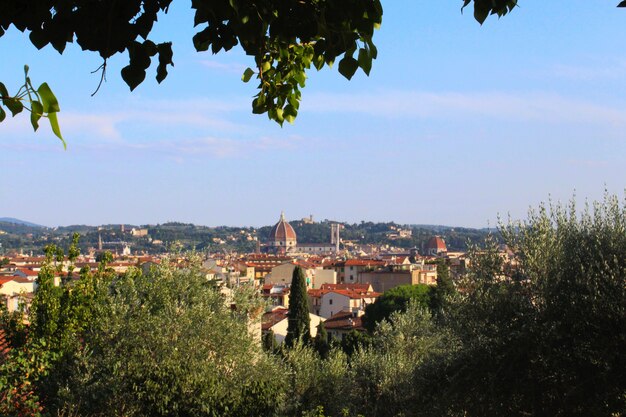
x=19, y=222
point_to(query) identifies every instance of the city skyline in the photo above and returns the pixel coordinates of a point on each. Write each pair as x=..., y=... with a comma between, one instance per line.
x=456, y=124
x=304, y=219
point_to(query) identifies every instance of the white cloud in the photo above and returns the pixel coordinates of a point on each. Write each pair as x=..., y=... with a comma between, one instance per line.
x=103, y=126
x=522, y=107
x=219, y=147
x=589, y=73
x=136, y=120
x=231, y=68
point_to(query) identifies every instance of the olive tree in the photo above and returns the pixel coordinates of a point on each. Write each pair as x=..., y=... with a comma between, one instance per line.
x=543, y=334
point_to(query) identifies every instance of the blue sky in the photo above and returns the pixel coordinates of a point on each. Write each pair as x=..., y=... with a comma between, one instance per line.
x=456, y=124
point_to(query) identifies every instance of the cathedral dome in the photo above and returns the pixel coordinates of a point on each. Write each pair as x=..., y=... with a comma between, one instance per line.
x=282, y=231
x=435, y=245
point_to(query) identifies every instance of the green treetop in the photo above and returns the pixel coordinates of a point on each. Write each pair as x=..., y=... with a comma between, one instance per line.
x=299, y=326
x=395, y=299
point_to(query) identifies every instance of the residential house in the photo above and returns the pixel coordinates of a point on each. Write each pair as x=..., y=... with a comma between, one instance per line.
x=277, y=322
x=283, y=274
x=16, y=290
x=352, y=268
x=278, y=295
x=342, y=323
x=383, y=280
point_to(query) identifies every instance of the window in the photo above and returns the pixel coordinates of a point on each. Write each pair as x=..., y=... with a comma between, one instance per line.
x=330, y=301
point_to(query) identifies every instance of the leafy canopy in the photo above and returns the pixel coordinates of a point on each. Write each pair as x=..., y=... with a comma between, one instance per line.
x=545, y=334
x=395, y=299
x=284, y=39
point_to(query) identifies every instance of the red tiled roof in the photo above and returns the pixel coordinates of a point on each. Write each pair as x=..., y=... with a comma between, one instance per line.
x=344, y=320
x=272, y=317
x=436, y=243
x=353, y=291
x=315, y=292
x=4, y=280
x=304, y=264
x=282, y=231
x=354, y=295
x=364, y=262
x=354, y=287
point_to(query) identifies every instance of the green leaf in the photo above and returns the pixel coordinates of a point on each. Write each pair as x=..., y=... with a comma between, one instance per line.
x=247, y=74
x=14, y=105
x=348, y=66
x=365, y=61
x=481, y=13
x=49, y=101
x=38, y=38
x=290, y=113
x=293, y=100
x=133, y=76
x=54, y=124
x=3, y=115
x=3, y=91
x=300, y=78
x=35, y=114
x=373, y=49
x=319, y=62
x=165, y=58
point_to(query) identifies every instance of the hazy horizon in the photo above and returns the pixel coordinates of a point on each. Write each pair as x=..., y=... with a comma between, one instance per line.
x=9, y=219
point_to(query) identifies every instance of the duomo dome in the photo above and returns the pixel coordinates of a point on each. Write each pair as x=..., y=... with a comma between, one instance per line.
x=282, y=235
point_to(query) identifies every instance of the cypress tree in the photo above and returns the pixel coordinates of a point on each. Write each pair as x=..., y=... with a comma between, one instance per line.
x=321, y=340
x=298, y=325
x=269, y=341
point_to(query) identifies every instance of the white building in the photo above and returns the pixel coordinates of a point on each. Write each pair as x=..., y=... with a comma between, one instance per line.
x=277, y=322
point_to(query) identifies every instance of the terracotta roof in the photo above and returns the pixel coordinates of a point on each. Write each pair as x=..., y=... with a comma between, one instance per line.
x=344, y=320
x=353, y=291
x=4, y=280
x=354, y=287
x=436, y=243
x=282, y=231
x=272, y=317
x=364, y=262
x=304, y=264
x=316, y=292
x=265, y=257
x=353, y=294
